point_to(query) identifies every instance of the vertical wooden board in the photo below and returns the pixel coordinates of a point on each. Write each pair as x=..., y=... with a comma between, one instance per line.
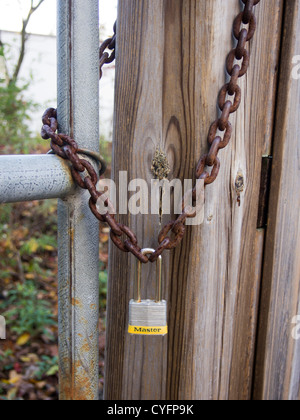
x=180, y=95
x=136, y=366
x=145, y=357
x=278, y=353
x=215, y=275
x=260, y=104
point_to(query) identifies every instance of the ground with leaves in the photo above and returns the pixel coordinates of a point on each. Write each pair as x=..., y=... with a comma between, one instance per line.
x=28, y=300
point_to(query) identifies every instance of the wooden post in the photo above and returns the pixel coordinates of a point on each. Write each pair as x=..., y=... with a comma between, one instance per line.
x=170, y=67
x=278, y=354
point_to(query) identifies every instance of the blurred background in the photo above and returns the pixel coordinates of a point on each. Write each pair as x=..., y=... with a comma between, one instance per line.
x=28, y=231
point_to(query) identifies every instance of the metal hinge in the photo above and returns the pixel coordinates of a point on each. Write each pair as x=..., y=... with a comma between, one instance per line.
x=264, y=194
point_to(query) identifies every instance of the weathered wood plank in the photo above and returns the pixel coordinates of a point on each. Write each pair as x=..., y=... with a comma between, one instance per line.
x=278, y=354
x=170, y=68
x=213, y=355
x=136, y=366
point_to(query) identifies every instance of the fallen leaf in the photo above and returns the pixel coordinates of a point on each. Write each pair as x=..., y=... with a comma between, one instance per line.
x=33, y=358
x=41, y=384
x=14, y=378
x=11, y=395
x=49, y=248
x=52, y=371
x=33, y=245
x=23, y=339
x=25, y=359
x=30, y=358
x=17, y=367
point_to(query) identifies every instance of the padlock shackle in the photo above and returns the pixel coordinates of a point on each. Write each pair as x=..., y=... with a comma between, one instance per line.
x=149, y=251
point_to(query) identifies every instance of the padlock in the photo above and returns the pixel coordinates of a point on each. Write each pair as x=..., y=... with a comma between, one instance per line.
x=148, y=317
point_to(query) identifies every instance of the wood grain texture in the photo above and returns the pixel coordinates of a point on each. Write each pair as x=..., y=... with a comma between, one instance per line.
x=170, y=67
x=278, y=355
x=136, y=366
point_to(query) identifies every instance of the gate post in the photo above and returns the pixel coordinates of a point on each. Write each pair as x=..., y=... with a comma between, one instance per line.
x=78, y=229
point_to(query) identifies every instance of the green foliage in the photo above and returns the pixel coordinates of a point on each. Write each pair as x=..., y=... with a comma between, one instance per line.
x=28, y=243
x=15, y=116
x=43, y=243
x=15, y=113
x=47, y=366
x=5, y=216
x=103, y=287
x=28, y=313
x=4, y=358
x=106, y=150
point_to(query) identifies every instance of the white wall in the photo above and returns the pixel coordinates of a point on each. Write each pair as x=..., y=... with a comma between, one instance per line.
x=40, y=63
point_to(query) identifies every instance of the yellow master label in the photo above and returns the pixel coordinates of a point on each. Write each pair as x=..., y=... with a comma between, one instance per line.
x=148, y=330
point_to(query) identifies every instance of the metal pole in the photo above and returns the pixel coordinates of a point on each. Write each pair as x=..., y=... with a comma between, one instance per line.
x=34, y=177
x=78, y=113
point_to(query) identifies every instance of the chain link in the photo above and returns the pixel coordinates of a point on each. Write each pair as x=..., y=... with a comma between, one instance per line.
x=229, y=101
x=104, y=56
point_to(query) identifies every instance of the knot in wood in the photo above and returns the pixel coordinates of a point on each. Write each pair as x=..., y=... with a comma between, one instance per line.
x=160, y=165
x=239, y=182
x=239, y=186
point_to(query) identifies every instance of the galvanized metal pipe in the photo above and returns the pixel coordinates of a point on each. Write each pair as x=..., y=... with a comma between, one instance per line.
x=78, y=238
x=34, y=177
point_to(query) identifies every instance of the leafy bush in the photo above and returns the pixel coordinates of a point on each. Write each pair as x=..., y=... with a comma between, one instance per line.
x=47, y=366
x=28, y=264
x=15, y=115
x=28, y=313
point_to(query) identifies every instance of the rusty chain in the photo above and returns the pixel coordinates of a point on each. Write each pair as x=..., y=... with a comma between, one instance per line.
x=110, y=44
x=67, y=148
